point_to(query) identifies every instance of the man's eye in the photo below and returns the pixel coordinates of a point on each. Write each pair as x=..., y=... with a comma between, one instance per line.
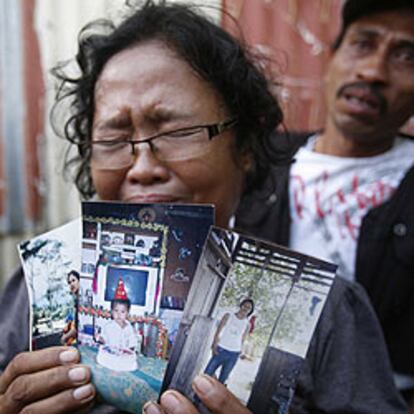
x=405, y=55
x=361, y=45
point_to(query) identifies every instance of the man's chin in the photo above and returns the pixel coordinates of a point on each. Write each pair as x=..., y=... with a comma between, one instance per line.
x=360, y=129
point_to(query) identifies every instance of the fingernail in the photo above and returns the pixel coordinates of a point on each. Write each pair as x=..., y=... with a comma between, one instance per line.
x=202, y=384
x=78, y=374
x=151, y=408
x=71, y=355
x=84, y=392
x=170, y=402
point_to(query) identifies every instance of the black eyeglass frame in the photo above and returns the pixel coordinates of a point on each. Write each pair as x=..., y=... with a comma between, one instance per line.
x=213, y=130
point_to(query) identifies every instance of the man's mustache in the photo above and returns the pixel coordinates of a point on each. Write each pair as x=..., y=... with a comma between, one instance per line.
x=369, y=88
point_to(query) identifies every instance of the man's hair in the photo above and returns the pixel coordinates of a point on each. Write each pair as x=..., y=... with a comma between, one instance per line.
x=247, y=300
x=355, y=9
x=220, y=59
x=125, y=302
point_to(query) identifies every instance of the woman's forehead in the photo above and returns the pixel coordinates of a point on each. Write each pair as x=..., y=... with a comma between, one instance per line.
x=152, y=79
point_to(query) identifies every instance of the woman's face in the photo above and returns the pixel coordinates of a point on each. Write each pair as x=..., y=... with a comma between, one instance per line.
x=73, y=283
x=245, y=309
x=147, y=90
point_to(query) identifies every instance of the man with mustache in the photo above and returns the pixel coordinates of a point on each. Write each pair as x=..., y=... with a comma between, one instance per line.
x=349, y=197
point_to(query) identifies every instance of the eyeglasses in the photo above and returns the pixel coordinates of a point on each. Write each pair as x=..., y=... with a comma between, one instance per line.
x=178, y=145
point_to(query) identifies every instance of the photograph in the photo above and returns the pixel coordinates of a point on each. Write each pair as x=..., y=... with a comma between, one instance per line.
x=249, y=319
x=143, y=257
x=51, y=265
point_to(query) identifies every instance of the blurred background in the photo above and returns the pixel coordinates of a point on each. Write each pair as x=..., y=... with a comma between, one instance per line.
x=36, y=34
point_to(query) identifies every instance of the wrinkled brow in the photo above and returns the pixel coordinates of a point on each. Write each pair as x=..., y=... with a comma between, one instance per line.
x=120, y=121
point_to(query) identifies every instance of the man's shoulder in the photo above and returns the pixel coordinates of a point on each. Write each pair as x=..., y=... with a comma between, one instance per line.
x=405, y=143
x=290, y=141
x=406, y=136
x=349, y=339
x=348, y=294
x=347, y=302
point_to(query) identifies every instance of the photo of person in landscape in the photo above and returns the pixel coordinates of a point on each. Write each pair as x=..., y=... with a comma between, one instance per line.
x=69, y=331
x=73, y=282
x=229, y=339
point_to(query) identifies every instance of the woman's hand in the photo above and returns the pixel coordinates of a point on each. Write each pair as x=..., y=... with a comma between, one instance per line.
x=46, y=381
x=215, y=396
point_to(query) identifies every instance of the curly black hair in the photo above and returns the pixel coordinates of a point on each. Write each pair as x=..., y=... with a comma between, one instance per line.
x=220, y=59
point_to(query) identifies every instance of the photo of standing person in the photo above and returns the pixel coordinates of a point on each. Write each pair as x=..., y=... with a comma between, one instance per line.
x=228, y=340
x=69, y=331
x=73, y=282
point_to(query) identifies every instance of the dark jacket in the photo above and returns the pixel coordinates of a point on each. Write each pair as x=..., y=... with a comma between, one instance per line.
x=385, y=251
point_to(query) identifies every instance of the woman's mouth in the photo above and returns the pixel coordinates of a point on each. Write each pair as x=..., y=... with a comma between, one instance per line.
x=153, y=198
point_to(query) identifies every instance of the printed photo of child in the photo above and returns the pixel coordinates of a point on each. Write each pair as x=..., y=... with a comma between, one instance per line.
x=130, y=306
x=118, y=339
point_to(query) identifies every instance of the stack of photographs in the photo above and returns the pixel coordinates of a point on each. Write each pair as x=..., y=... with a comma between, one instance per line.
x=154, y=295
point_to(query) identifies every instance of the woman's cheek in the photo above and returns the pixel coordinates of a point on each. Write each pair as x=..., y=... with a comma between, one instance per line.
x=108, y=184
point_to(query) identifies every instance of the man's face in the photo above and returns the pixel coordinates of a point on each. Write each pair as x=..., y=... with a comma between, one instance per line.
x=147, y=90
x=120, y=313
x=370, y=79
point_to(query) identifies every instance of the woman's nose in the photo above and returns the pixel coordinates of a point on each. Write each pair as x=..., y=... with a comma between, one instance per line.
x=147, y=169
